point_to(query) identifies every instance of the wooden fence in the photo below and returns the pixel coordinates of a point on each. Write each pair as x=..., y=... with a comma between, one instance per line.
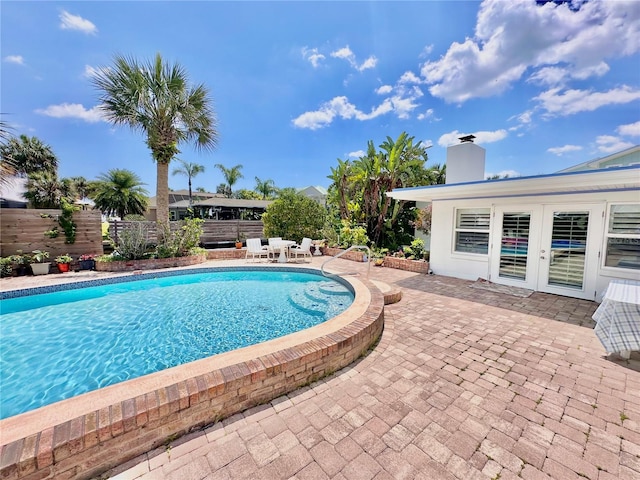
x=23, y=229
x=214, y=231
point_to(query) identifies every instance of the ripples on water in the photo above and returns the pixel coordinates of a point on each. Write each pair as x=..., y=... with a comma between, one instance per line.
x=111, y=333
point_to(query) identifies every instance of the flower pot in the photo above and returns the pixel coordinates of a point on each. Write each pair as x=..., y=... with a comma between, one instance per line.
x=63, y=267
x=238, y=245
x=87, y=264
x=40, y=268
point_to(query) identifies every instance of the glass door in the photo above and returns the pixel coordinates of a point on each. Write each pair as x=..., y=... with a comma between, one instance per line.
x=569, y=250
x=515, y=246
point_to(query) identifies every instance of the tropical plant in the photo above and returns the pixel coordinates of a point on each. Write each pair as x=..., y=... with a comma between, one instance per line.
x=44, y=190
x=39, y=256
x=158, y=99
x=293, y=216
x=6, y=267
x=64, y=258
x=7, y=165
x=266, y=188
x=359, y=189
x=29, y=155
x=190, y=170
x=231, y=176
x=352, y=235
x=247, y=194
x=119, y=192
x=416, y=250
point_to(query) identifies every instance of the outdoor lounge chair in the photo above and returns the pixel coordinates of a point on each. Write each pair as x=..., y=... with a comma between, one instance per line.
x=303, y=249
x=255, y=249
x=274, y=245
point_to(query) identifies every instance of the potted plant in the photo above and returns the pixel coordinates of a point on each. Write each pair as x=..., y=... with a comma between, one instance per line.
x=87, y=262
x=63, y=262
x=239, y=240
x=38, y=265
x=20, y=263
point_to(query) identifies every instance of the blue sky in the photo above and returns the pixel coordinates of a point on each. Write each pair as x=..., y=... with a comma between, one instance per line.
x=297, y=85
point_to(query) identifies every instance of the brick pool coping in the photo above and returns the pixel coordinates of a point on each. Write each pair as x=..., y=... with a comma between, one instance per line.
x=84, y=436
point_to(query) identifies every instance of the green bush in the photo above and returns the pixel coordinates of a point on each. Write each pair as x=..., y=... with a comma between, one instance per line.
x=133, y=241
x=416, y=250
x=294, y=216
x=350, y=235
x=6, y=266
x=180, y=242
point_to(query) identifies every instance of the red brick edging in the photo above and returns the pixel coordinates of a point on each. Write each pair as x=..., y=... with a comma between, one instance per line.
x=151, y=264
x=86, y=446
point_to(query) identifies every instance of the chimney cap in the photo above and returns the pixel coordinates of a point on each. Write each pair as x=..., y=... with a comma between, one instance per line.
x=467, y=138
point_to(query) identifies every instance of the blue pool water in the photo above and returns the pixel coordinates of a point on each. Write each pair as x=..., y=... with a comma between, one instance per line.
x=58, y=345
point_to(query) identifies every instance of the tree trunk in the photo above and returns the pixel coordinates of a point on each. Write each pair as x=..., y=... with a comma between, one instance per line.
x=162, y=198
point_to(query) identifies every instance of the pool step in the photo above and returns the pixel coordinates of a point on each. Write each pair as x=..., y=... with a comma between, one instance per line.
x=319, y=299
x=333, y=288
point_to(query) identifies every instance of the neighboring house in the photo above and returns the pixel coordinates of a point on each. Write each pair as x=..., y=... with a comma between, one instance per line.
x=565, y=233
x=625, y=158
x=178, y=203
x=319, y=194
x=12, y=193
x=231, y=208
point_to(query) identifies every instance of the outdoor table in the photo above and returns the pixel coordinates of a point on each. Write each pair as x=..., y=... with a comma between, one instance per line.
x=618, y=317
x=283, y=246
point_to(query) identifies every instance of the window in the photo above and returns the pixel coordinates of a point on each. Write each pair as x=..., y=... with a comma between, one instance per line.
x=472, y=230
x=623, y=237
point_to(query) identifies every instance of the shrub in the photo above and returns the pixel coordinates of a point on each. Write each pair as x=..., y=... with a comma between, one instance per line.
x=133, y=241
x=6, y=266
x=181, y=241
x=352, y=235
x=416, y=250
x=294, y=216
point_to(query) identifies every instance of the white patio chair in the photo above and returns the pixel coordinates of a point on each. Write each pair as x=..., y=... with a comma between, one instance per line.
x=255, y=249
x=274, y=245
x=303, y=249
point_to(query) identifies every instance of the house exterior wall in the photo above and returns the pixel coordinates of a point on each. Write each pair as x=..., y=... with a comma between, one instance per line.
x=445, y=261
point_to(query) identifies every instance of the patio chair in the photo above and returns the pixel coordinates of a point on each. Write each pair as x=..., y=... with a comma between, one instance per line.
x=274, y=245
x=255, y=249
x=303, y=249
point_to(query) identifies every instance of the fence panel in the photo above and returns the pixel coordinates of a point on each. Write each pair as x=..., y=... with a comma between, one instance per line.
x=213, y=231
x=23, y=229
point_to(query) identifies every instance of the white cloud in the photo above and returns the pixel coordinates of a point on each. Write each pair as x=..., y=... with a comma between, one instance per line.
x=562, y=40
x=559, y=151
x=428, y=114
x=611, y=144
x=17, y=59
x=338, y=107
x=356, y=154
x=72, y=110
x=76, y=22
x=313, y=56
x=345, y=53
x=568, y=102
x=384, y=89
x=90, y=71
x=630, y=129
x=453, y=138
x=409, y=77
x=426, y=51
x=425, y=143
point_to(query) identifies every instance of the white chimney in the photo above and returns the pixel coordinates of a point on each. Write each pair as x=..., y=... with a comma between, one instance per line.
x=465, y=161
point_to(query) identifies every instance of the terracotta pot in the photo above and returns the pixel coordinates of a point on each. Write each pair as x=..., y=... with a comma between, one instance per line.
x=63, y=267
x=238, y=245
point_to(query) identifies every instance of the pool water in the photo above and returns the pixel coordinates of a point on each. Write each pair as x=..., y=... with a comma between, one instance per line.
x=59, y=345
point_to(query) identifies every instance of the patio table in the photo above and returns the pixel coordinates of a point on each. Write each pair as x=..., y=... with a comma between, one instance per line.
x=618, y=317
x=283, y=246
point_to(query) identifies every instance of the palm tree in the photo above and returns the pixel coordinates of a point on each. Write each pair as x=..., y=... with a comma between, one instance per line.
x=340, y=186
x=29, y=155
x=231, y=176
x=44, y=190
x=190, y=170
x=7, y=167
x=120, y=192
x=266, y=188
x=157, y=99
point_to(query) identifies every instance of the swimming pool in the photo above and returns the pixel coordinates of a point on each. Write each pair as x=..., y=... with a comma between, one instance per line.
x=60, y=344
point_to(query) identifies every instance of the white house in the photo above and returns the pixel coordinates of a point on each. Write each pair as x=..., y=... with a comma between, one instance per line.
x=564, y=233
x=314, y=192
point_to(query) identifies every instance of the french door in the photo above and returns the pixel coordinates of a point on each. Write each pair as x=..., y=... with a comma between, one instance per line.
x=547, y=248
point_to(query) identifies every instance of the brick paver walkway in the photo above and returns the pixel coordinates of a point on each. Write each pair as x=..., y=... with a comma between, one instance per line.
x=464, y=384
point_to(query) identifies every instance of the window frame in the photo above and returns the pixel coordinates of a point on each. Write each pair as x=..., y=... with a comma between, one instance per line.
x=620, y=271
x=457, y=230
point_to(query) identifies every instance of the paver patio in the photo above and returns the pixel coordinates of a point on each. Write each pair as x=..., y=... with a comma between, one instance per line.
x=464, y=384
